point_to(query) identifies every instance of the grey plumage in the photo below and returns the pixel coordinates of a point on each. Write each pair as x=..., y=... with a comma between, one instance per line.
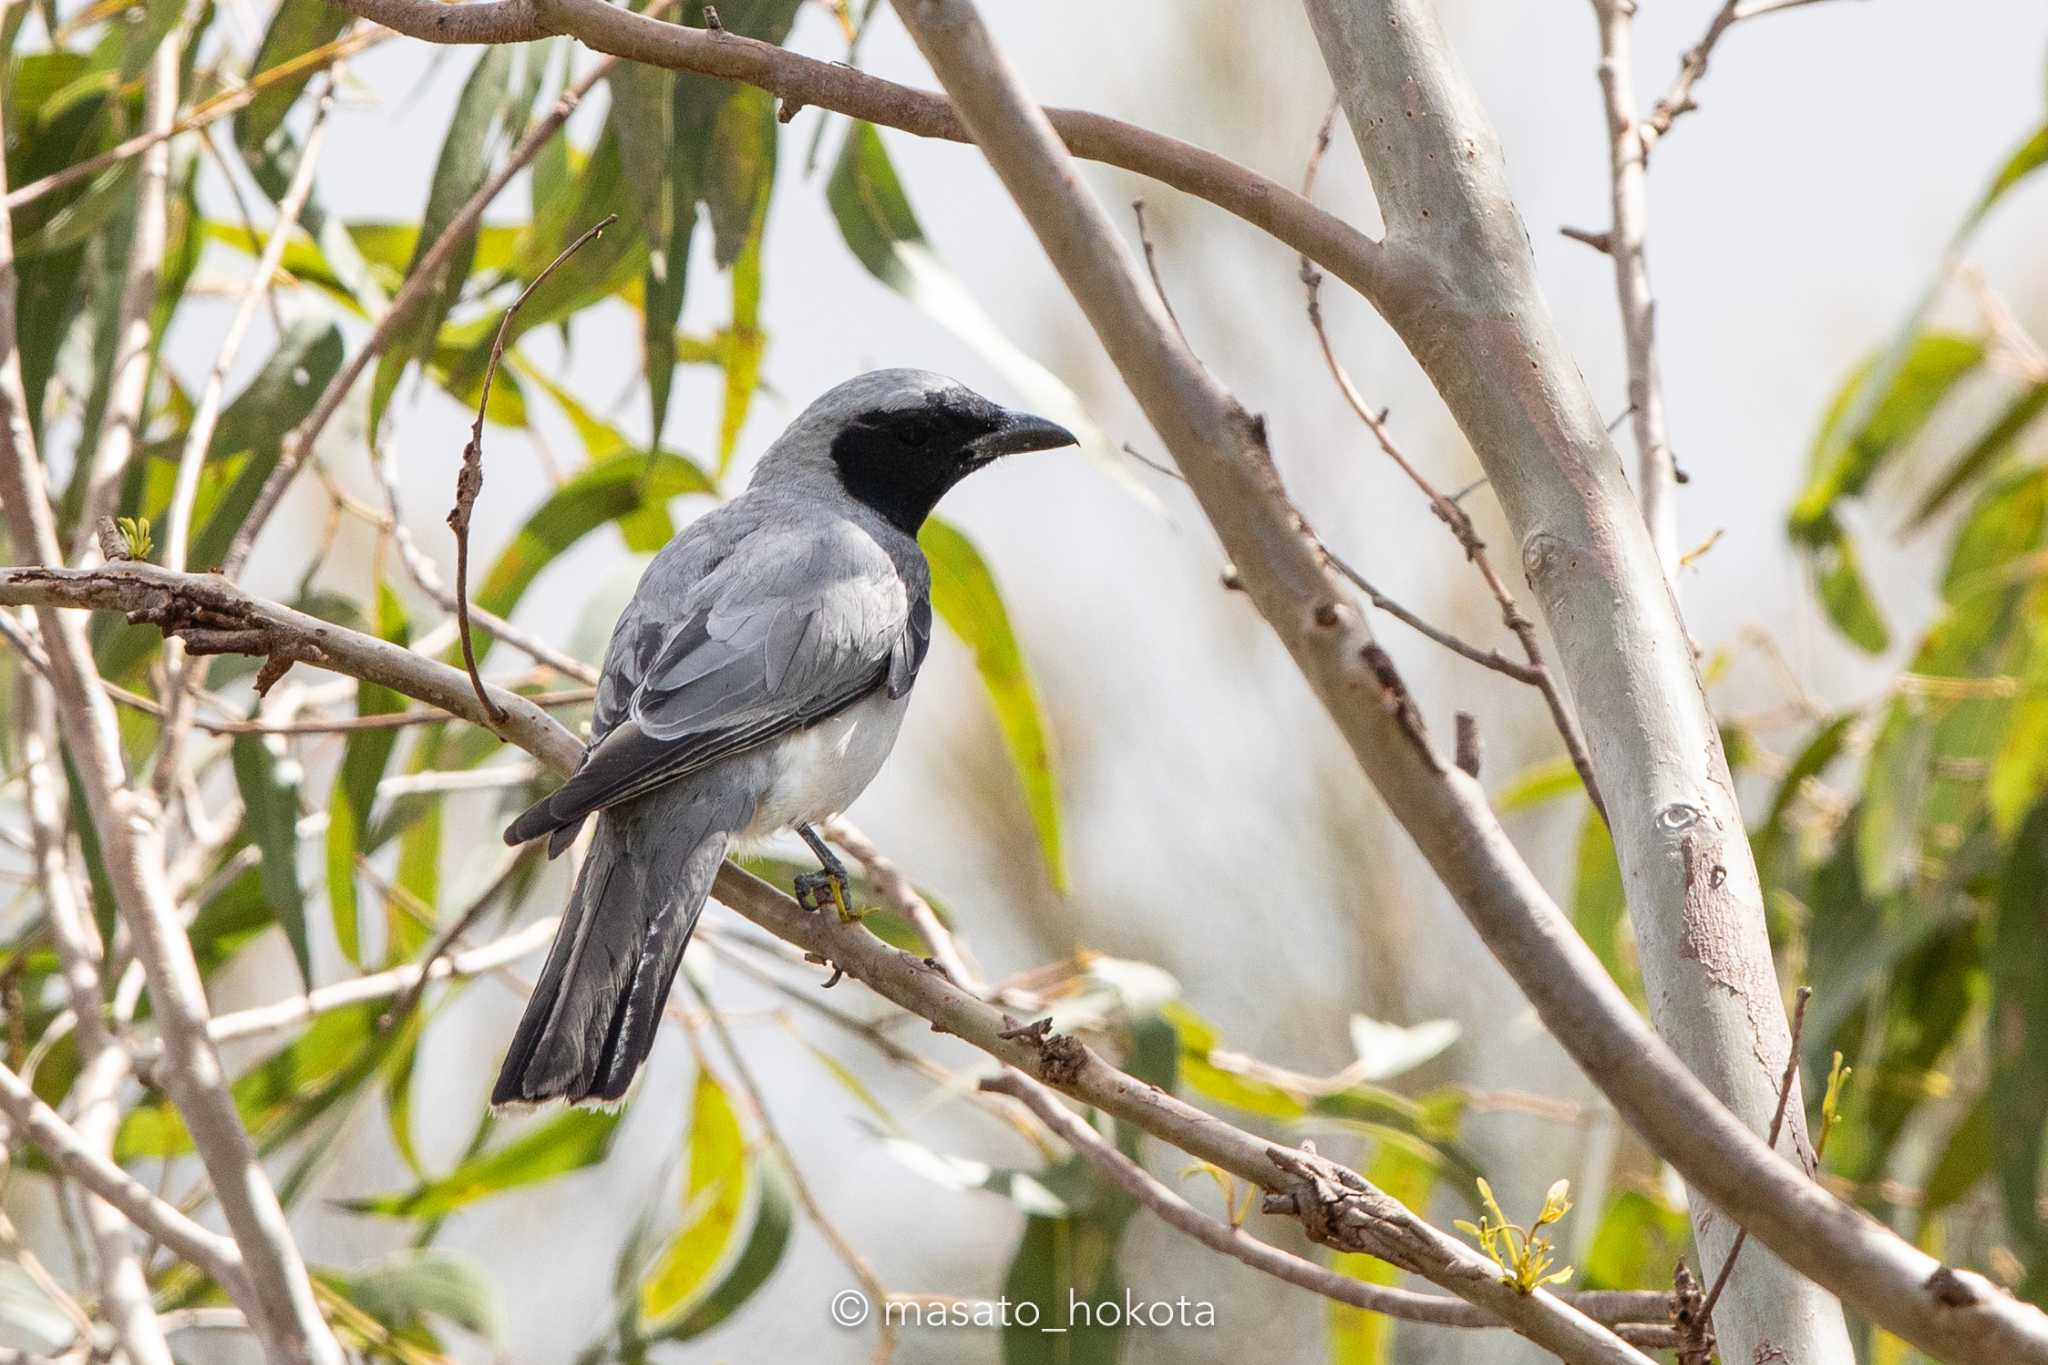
x=754, y=682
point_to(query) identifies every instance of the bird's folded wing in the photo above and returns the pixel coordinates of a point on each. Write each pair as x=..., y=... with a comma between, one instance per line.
x=787, y=630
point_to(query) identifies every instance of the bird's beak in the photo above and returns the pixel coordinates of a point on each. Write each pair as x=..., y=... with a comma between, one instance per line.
x=1020, y=432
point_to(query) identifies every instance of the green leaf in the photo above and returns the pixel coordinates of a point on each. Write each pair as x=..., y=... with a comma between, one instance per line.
x=297, y=27
x=965, y=596
x=1600, y=906
x=1884, y=404
x=2019, y=770
x=1983, y=454
x=355, y=784
x=1638, y=1239
x=2028, y=157
x=554, y=1147
x=1820, y=751
x=739, y=181
x=1965, y=1159
x=714, y=1198
x=2018, y=1035
x=270, y=801
x=277, y=1095
x=276, y=400
x=488, y=115
x=400, y=1289
x=1845, y=596
x=1538, y=784
x=1894, y=789
x=767, y=1241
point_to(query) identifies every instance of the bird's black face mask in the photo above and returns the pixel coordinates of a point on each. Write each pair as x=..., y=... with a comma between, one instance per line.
x=901, y=461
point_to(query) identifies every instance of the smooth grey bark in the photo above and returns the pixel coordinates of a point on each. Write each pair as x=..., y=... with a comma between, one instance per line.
x=1485, y=337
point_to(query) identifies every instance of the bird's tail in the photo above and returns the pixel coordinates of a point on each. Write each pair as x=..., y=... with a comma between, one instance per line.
x=593, y=1016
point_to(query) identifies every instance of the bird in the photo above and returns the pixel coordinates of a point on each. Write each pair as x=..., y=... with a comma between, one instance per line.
x=755, y=682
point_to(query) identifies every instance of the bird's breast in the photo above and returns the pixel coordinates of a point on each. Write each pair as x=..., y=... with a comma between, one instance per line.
x=819, y=771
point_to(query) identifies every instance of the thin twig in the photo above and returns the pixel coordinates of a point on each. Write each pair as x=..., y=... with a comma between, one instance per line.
x=1453, y=517
x=1152, y=268
x=1485, y=658
x=470, y=481
x=1693, y=65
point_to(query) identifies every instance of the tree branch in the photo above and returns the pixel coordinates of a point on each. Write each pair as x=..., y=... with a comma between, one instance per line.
x=1628, y=151
x=1464, y=1270
x=900, y=977
x=1489, y=348
x=798, y=81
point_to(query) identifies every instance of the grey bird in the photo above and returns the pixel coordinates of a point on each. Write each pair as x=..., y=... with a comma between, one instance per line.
x=754, y=683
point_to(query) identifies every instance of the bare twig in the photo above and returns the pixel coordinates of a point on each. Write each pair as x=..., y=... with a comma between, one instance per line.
x=1628, y=150
x=470, y=481
x=298, y=1009
x=1455, y=519
x=800, y=80
x=428, y=577
x=1152, y=269
x=1485, y=658
x=1693, y=65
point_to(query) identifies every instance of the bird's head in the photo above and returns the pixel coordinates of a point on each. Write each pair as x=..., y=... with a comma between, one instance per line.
x=897, y=440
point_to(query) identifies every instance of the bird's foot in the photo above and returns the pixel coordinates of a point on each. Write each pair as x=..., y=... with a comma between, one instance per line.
x=816, y=890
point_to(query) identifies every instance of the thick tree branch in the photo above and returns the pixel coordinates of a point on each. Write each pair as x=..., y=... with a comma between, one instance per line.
x=213, y=614
x=1221, y=450
x=1487, y=344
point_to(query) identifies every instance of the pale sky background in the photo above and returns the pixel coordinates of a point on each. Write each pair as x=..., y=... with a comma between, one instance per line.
x=1214, y=825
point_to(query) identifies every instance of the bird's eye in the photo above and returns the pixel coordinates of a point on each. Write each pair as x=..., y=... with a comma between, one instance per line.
x=914, y=432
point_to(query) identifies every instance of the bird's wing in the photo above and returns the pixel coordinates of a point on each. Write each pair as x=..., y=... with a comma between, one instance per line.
x=793, y=625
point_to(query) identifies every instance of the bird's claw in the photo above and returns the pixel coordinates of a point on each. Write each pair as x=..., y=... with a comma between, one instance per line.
x=815, y=890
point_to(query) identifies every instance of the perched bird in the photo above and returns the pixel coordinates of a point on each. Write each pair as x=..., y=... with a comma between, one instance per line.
x=754, y=683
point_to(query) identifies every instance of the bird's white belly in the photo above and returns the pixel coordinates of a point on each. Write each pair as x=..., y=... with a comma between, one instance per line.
x=819, y=771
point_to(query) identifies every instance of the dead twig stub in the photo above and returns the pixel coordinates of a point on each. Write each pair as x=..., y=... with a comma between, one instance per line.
x=470, y=480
